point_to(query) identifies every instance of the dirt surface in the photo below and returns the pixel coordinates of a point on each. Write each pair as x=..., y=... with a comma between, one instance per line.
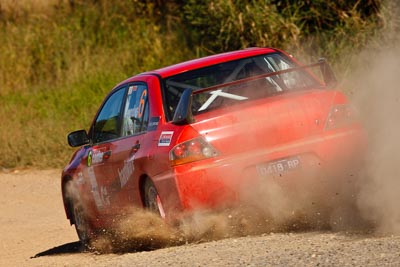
x=35, y=232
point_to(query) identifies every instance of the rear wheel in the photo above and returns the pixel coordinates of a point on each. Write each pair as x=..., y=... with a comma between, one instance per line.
x=152, y=200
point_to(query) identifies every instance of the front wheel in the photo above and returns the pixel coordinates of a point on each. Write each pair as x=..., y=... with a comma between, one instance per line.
x=78, y=216
x=152, y=200
x=81, y=224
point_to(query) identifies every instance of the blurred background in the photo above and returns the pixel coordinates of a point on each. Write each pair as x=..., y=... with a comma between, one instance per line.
x=59, y=58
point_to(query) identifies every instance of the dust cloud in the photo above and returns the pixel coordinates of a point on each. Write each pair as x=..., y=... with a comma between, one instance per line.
x=377, y=96
x=144, y=230
x=375, y=85
x=141, y=231
x=263, y=209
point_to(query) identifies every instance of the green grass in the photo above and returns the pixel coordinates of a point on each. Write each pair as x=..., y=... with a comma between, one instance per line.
x=58, y=61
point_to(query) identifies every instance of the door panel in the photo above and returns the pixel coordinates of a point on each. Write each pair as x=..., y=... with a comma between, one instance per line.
x=105, y=130
x=127, y=156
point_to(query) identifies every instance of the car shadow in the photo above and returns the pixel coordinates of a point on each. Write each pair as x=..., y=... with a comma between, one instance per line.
x=69, y=248
x=77, y=247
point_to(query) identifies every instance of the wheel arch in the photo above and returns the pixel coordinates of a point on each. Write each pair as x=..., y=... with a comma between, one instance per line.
x=142, y=181
x=67, y=202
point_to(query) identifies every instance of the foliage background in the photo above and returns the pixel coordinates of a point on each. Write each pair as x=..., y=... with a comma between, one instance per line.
x=59, y=58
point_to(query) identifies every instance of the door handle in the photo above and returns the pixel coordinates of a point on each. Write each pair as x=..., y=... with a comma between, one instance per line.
x=107, y=154
x=136, y=147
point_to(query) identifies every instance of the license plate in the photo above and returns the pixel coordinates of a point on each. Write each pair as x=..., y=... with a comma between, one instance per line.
x=279, y=166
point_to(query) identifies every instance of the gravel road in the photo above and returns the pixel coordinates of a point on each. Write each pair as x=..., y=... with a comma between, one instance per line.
x=35, y=232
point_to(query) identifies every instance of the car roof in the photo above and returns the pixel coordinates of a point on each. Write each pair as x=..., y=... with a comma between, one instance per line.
x=202, y=62
x=209, y=60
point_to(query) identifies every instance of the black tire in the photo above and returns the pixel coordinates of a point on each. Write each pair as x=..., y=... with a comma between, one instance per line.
x=78, y=215
x=152, y=201
x=82, y=226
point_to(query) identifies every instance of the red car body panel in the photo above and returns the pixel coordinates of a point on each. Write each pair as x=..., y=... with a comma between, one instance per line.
x=254, y=139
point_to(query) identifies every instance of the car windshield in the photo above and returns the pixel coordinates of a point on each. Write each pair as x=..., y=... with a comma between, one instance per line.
x=233, y=93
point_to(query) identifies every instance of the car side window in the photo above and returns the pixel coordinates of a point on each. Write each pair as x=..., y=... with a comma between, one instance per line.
x=107, y=125
x=136, y=114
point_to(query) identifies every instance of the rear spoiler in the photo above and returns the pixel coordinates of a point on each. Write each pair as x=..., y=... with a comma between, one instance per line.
x=183, y=113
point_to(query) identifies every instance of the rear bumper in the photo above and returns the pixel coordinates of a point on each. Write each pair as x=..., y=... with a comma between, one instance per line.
x=328, y=170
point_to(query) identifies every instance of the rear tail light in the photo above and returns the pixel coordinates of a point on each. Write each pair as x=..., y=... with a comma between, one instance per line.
x=192, y=150
x=340, y=116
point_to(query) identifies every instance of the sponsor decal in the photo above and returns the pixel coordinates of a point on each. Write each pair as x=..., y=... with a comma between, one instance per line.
x=94, y=188
x=89, y=158
x=153, y=123
x=142, y=103
x=94, y=157
x=105, y=197
x=126, y=172
x=97, y=157
x=165, y=138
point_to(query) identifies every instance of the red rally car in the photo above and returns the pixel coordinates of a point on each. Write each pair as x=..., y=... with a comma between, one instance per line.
x=191, y=135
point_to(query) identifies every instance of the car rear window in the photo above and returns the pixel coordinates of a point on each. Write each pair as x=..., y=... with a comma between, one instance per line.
x=237, y=70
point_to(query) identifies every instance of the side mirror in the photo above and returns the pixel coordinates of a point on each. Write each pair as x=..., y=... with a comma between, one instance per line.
x=78, y=138
x=327, y=73
x=183, y=113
